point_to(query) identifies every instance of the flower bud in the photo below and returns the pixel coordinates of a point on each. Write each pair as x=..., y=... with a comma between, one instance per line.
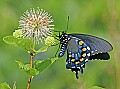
x=49, y=41
x=17, y=34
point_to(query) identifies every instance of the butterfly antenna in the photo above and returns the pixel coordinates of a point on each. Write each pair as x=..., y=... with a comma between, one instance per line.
x=67, y=24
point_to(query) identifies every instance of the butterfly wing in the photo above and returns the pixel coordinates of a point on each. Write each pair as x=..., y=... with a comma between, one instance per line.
x=77, y=55
x=98, y=46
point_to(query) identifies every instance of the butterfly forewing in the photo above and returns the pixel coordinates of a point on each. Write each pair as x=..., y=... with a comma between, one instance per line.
x=97, y=45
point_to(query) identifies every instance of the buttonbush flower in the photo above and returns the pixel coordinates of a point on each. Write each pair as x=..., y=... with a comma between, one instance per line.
x=36, y=24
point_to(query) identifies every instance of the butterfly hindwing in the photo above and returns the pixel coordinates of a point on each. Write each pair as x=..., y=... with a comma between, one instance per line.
x=78, y=54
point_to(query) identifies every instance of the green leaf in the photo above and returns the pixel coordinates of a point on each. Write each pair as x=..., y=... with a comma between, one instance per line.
x=32, y=71
x=53, y=59
x=43, y=49
x=27, y=69
x=42, y=65
x=11, y=40
x=36, y=62
x=4, y=86
x=14, y=85
x=38, y=66
x=96, y=87
x=25, y=43
x=21, y=65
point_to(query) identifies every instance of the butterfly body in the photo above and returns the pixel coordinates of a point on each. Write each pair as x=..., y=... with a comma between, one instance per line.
x=81, y=48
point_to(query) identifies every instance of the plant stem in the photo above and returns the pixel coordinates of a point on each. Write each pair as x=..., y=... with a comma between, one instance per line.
x=31, y=63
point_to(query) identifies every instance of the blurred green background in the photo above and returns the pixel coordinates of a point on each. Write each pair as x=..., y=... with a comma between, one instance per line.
x=96, y=17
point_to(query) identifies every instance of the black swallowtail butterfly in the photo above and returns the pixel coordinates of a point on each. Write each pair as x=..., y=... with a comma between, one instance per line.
x=81, y=48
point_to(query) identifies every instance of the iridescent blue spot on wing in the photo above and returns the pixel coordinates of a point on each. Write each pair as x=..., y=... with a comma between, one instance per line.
x=80, y=51
x=69, y=60
x=79, y=55
x=79, y=47
x=76, y=57
x=73, y=55
x=76, y=41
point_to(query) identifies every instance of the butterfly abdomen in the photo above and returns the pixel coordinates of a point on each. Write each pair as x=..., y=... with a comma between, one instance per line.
x=62, y=50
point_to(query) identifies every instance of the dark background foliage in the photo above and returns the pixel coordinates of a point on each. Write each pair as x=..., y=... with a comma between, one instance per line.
x=95, y=17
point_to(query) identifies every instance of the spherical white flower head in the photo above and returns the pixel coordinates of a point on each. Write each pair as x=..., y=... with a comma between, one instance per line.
x=36, y=24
